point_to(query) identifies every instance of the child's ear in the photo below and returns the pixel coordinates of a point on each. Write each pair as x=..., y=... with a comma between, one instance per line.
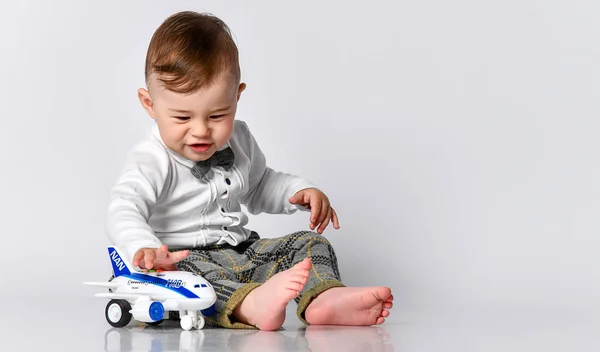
x=240, y=90
x=146, y=101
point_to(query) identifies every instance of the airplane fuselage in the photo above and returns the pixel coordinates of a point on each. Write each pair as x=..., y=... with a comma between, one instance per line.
x=179, y=290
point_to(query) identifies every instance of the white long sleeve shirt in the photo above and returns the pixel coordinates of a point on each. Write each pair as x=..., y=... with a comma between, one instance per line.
x=156, y=199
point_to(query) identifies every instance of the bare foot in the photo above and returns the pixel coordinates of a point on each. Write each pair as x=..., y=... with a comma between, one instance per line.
x=350, y=306
x=264, y=307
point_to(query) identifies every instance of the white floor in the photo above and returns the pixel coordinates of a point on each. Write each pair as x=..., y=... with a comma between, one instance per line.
x=79, y=325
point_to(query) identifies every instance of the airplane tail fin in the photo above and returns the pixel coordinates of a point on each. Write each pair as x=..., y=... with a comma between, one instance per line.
x=119, y=264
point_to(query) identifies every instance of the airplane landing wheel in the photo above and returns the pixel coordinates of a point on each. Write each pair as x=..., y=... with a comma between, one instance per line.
x=117, y=312
x=200, y=323
x=186, y=322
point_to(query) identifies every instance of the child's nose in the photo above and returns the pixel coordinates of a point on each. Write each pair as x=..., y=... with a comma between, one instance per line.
x=200, y=129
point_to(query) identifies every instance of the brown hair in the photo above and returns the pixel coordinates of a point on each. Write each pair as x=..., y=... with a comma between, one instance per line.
x=190, y=50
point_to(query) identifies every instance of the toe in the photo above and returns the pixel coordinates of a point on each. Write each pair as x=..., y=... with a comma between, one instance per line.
x=295, y=286
x=300, y=274
x=305, y=264
x=388, y=305
x=386, y=293
x=385, y=313
x=379, y=321
x=299, y=278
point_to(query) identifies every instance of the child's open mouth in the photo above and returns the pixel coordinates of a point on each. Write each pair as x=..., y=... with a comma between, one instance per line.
x=200, y=148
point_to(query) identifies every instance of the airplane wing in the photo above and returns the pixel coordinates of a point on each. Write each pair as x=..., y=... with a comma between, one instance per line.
x=102, y=284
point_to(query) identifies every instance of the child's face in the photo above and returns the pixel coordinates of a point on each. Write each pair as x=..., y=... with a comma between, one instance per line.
x=193, y=125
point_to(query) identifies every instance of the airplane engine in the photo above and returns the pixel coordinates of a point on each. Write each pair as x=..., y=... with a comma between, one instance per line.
x=148, y=312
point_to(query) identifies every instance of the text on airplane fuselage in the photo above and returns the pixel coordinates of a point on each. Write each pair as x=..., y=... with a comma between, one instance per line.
x=169, y=283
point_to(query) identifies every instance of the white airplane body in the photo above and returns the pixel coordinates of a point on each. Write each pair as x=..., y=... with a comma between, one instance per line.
x=149, y=296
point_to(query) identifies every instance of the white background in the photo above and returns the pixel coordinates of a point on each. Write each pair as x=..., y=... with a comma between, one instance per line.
x=456, y=139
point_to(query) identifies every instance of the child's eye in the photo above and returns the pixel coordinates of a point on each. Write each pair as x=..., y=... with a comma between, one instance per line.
x=214, y=117
x=182, y=118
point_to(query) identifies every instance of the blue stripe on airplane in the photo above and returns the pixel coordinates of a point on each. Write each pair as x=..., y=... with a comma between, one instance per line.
x=162, y=283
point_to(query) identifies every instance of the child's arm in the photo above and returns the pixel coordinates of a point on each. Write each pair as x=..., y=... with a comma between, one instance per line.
x=269, y=190
x=133, y=196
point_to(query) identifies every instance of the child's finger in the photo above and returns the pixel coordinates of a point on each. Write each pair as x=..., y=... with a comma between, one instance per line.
x=315, y=205
x=334, y=218
x=324, y=211
x=149, y=259
x=295, y=199
x=323, y=214
x=326, y=221
x=162, y=252
x=178, y=256
x=138, y=256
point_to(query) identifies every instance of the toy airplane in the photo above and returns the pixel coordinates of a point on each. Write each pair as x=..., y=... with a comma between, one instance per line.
x=149, y=296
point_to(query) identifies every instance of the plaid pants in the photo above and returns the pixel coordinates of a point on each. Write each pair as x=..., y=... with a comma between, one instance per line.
x=234, y=271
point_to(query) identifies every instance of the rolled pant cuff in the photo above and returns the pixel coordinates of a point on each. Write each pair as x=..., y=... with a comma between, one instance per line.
x=309, y=295
x=224, y=318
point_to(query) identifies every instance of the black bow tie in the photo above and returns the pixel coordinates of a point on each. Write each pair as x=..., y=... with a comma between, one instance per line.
x=223, y=158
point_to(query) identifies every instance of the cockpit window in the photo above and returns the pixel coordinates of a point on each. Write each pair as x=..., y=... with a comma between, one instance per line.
x=196, y=286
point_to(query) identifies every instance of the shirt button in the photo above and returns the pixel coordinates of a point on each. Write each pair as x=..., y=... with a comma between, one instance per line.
x=222, y=210
x=227, y=181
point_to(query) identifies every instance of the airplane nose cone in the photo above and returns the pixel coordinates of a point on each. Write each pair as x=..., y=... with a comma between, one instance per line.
x=213, y=294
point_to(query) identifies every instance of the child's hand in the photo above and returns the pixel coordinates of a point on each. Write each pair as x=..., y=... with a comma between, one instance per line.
x=321, y=211
x=158, y=258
